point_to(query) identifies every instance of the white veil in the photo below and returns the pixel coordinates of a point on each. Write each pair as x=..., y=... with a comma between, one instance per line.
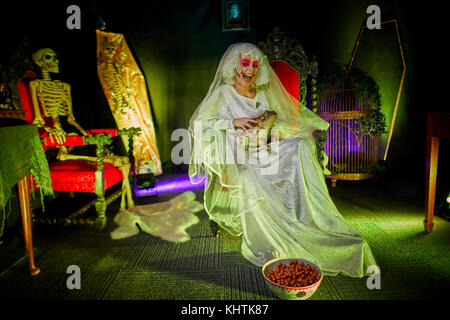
x=209, y=147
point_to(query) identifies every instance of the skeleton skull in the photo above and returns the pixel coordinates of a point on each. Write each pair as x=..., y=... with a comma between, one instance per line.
x=46, y=59
x=109, y=50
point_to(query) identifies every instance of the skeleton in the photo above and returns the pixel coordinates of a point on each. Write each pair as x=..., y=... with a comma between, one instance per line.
x=115, y=82
x=54, y=97
x=119, y=79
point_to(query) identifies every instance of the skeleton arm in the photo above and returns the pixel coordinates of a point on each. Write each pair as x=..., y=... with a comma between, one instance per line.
x=38, y=120
x=127, y=79
x=55, y=133
x=70, y=115
x=128, y=90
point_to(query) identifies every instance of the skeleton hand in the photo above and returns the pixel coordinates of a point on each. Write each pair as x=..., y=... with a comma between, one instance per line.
x=57, y=134
x=39, y=122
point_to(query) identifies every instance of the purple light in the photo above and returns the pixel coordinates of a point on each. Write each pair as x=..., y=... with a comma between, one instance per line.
x=170, y=184
x=352, y=143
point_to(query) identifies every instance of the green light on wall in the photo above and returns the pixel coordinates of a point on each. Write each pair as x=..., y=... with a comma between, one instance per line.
x=379, y=52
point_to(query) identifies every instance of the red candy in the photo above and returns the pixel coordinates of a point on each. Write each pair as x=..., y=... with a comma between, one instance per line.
x=297, y=274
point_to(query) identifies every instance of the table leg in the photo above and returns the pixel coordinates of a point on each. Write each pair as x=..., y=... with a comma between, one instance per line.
x=25, y=209
x=430, y=181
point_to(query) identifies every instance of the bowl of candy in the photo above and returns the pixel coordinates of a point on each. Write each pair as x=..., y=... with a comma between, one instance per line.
x=292, y=279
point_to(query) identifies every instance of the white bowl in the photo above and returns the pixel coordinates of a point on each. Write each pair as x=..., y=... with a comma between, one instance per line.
x=290, y=293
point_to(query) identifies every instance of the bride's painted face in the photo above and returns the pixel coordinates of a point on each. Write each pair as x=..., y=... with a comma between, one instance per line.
x=247, y=69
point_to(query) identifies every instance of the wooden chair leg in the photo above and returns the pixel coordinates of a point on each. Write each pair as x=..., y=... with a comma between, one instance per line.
x=127, y=201
x=100, y=207
x=25, y=209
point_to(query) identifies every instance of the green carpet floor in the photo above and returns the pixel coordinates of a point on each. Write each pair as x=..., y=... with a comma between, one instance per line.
x=414, y=265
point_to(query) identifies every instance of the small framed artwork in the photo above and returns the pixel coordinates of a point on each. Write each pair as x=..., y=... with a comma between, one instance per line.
x=235, y=15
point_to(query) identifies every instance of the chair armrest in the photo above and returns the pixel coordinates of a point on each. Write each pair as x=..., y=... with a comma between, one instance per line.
x=130, y=132
x=133, y=131
x=100, y=139
x=71, y=141
x=113, y=132
x=75, y=141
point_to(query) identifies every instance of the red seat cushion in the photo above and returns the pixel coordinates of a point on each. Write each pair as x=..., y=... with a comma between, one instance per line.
x=79, y=175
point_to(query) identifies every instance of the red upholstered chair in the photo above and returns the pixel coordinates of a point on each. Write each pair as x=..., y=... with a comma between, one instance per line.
x=288, y=76
x=84, y=174
x=297, y=73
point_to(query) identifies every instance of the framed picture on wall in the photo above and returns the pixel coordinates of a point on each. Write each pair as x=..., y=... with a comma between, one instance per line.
x=235, y=15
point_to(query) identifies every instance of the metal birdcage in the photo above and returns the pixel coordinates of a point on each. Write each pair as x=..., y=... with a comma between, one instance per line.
x=352, y=155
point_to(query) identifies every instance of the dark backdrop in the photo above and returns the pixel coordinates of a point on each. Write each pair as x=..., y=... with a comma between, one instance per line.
x=178, y=45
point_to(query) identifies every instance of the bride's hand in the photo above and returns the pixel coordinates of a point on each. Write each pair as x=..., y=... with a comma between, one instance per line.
x=245, y=123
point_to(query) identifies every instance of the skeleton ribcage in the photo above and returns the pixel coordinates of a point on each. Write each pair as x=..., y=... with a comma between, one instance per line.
x=114, y=82
x=53, y=99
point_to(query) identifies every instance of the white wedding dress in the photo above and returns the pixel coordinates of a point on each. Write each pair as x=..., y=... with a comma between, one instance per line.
x=287, y=212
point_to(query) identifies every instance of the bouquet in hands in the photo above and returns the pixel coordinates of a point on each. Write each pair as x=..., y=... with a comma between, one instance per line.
x=261, y=132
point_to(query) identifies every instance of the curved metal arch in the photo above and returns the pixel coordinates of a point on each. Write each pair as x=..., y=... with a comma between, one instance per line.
x=402, y=79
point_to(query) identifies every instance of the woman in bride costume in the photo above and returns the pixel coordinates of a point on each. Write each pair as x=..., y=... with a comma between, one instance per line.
x=273, y=194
